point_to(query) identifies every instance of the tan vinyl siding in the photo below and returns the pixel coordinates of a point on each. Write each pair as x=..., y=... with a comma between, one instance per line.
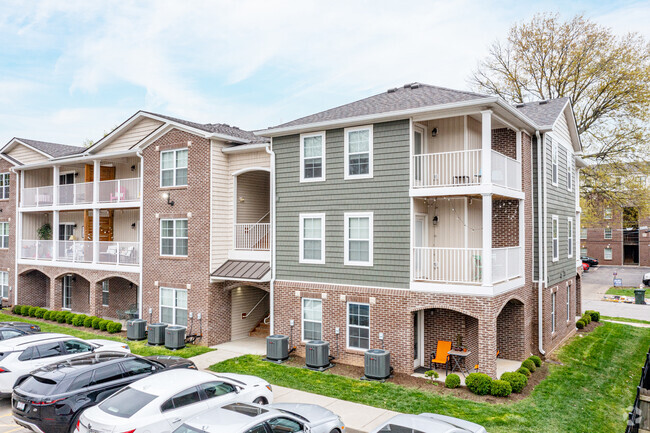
x=38, y=177
x=26, y=155
x=253, y=187
x=122, y=220
x=474, y=133
x=32, y=222
x=450, y=231
x=243, y=300
x=123, y=168
x=238, y=161
x=131, y=136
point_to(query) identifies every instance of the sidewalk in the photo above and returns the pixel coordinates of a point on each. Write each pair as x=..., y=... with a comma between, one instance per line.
x=358, y=418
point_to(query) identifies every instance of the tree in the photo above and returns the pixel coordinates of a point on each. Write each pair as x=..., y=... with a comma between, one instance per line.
x=607, y=78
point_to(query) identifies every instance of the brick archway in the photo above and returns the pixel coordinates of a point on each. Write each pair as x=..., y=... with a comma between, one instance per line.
x=511, y=340
x=34, y=288
x=578, y=295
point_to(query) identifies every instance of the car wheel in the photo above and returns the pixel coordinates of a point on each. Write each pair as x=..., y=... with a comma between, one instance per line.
x=335, y=431
x=260, y=400
x=73, y=426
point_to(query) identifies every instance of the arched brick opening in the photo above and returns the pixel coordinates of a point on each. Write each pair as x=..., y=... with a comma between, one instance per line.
x=511, y=341
x=115, y=297
x=79, y=293
x=34, y=288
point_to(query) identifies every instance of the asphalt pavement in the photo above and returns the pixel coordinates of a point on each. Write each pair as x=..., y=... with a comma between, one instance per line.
x=595, y=283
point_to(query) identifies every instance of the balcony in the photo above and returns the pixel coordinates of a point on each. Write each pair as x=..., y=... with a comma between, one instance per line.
x=38, y=196
x=119, y=253
x=111, y=253
x=253, y=237
x=75, y=193
x=119, y=190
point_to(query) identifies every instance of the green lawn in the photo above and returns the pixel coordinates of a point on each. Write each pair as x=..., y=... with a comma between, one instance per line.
x=591, y=391
x=625, y=291
x=137, y=347
x=625, y=319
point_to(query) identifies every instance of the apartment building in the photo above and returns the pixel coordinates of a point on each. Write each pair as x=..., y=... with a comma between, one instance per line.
x=164, y=219
x=423, y=214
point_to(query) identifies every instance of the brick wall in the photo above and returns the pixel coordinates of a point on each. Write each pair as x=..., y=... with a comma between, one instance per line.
x=8, y=214
x=80, y=294
x=504, y=141
x=121, y=295
x=565, y=325
x=505, y=223
x=510, y=337
x=34, y=289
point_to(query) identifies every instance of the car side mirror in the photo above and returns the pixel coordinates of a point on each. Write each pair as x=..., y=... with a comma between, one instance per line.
x=306, y=429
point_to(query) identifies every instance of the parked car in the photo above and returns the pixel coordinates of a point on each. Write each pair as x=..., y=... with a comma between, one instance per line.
x=589, y=260
x=646, y=279
x=275, y=418
x=27, y=327
x=7, y=332
x=20, y=355
x=428, y=423
x=162, y=402
x=585, y=266
x=51, y=398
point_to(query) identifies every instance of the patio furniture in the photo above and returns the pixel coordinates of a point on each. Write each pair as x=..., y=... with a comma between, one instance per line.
x=127, y=255
x=131, y=313
x=110, y=256
x=116, y=196
x=455, y=358
x=440, y=356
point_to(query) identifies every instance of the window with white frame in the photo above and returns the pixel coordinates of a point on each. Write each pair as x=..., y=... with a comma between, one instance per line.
x=4, y=284
x=105, y=293
x=568, y=301
x=570, y=236
x=173, y=306
x=4, y=234
x=555, y=235
x=312, y=319
x=583, y=251
x=554, y=156
x=66, y=286
x=312, y=238
x=358, y=239
x=608, y=254
x=358, y=152
x=173, y=167
x=608, y=214
x=569, y=173
x=4, y=185
x=358, y=326
x=173, y=237
x=553, y=312
x=607, y=233
x=583, y=233
x=312, y=157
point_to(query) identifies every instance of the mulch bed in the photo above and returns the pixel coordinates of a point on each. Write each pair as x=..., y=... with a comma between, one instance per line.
x=590, y=327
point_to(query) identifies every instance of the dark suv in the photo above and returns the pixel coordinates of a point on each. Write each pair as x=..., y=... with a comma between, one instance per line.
x=51, y=398
x=28, y=328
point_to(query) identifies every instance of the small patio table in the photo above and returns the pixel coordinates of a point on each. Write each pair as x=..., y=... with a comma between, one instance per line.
x=455, y=356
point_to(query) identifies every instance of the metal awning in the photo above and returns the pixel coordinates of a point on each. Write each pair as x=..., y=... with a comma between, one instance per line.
x=242, y=270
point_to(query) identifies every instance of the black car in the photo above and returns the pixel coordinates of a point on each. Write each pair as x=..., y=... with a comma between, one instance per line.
x=7, y=332
x=52, y=398
x=29, y=328
x=590, y=261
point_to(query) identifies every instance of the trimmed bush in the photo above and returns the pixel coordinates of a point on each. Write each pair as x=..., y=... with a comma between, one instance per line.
x=478, y=383
x=16, y=309
x=46, y=315
x=524, y=371
x=530, y=365
x=32, y=311
x=40, y=312
x=452, y=381
x=79, y=320
x=69, y=318
x=102, y=324
x=586, y=318
x=62, y=316
x=114, y=327
x=500, y=388
x=595, y=315
x=536, y=360
x=516, y=380
x=24, y=311
x=55, y=315
x=580, y=324
x=88, y=321
x=96, y=321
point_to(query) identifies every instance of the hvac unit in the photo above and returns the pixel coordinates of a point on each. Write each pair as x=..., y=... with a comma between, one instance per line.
x=136, y=329
x=277, y=347
x=317, y=354
x=156, y=333
x=175, y=337
x=377, y=364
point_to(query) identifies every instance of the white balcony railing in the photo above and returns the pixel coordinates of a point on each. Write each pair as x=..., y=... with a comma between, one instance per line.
x=506, y=171
x=253, y=237
x=119, y=253
x=37, y=250
x=37, y=197
x=447, y=169
x=506, y=264
x=75, y=193
x=75, y=251
x=447, y=265
x=119, y=190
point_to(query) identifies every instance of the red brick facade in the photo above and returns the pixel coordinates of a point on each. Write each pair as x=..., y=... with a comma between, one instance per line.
x=505, y=223
x=8, y=214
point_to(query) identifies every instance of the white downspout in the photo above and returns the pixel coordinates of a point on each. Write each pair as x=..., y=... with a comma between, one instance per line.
x=540, y=273
x=141, y=230
x=17, y=240
x=269, y=150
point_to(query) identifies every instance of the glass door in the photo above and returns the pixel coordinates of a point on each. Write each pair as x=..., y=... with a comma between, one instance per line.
x=67, y=292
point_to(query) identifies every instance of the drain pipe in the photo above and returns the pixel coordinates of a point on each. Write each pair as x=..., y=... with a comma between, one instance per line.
x=140, y=229
x=269, y=150
x=541, y=242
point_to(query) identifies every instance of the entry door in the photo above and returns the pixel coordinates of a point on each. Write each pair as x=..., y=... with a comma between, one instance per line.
x=67, y=292
x=418, y=339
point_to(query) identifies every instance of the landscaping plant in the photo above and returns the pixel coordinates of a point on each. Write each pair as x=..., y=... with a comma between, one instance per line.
x=62, y=316
x=478, y=383
x=530, y=365
x=16, y=309
x=102, y=324
x=536, y=360
x=96, y=321
x=452, y=381
x=431, y=375
x=88, y=321
x=516, y=380
x=524, y=371
x=46, y=315
x=69, y=318
x=580, y=324
x=24, y=311
x=595, y=315
x=40, y=312
x=114, y=327
x=500, y=388
x=79, y=320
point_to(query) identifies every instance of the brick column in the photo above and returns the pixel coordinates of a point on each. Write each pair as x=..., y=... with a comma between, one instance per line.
x=94, y=308
x=487, y=343
x=578, y=311
x=56, y=302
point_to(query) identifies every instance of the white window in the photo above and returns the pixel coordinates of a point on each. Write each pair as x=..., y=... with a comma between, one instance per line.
x=607, y=233
x=4, y=284
x=358, y=152
x=66, y=285
x=583, y=233
x=312, y=238
x=608, y=254
x=358, y=239
x=312, y=319
x=173, y=167
x=570, y=236
x=583, y=251
x=568, y=301
x=4, y=186
x=553, y=312
x=173, y=306
x=608, y=214
x=312, y=157
x=555, y=234
x=358, y=326
x=173, y=237
x=105, y=293
x=569, y=173
x=554, y=156
x=4, y=235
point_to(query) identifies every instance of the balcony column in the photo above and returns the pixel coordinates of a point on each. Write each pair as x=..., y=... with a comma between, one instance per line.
x=95, y=235
x=486, y=147
x=21, y=175
x=522, y=238
x=96, y=177
x=487, y=240
x=55, y=185
x=55, y=235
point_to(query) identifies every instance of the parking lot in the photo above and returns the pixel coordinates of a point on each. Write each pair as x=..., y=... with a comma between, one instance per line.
x=595, y=283
x=7, y=423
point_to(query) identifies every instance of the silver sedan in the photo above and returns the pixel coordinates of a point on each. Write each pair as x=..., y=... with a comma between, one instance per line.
x=428, y=423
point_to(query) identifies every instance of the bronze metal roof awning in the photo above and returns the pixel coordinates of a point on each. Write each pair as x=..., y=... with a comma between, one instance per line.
x=243, y=270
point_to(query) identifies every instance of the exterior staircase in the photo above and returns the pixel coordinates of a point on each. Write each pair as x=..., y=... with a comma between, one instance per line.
x=262, y=329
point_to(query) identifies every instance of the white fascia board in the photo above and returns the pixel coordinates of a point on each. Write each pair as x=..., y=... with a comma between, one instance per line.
x=15, y=141
x=72, y=159
x=245, y=148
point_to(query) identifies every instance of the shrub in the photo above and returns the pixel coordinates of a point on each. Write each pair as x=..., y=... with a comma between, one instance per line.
x=595, y=315
x=586, y=318
x=536, y=360
x=478, y=383
x=580, y=324
x=96, y=321
x=24, y=311
x=16, y=309
x=55, y=315
x=32, y=311
x=46, y=315
x=102, y=324
x=69, y=318
x=79, y=320
x=40, y=312
x=452, y=381
x=524, y=371
x=88, y=321
x=62, y=316
x=516, y=380
x=114, y=327
x=530, y=365
x=500, y=388
x=431, y=375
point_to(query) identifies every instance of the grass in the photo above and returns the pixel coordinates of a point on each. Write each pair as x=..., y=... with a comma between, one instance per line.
x=591, y=390
x=137, y=347
x=625, y=291
x=625, y=319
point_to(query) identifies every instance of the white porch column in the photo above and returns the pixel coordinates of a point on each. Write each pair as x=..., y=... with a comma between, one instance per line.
x=95, y=235
x=522, y=237
x=486, y=147
x=55, y=235
x=55, y=185
x=21, y=174
x=487, y=240
x=96, y=177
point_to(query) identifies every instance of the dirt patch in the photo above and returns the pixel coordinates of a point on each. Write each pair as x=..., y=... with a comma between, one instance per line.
x=435, y=387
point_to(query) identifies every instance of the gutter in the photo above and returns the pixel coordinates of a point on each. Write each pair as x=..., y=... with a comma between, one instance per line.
x=141, y=229
x=17, y=241
x=540, y=242
x=244, y=148
x=269, y=150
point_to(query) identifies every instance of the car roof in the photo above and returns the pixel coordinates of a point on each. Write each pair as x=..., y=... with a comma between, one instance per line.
x=172, y=381
x=81, y=363
x=233, y=417
x=422, y=423
x=25, y=341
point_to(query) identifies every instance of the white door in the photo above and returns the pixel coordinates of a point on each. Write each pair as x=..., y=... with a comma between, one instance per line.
x=418, y=339
x=419, y=241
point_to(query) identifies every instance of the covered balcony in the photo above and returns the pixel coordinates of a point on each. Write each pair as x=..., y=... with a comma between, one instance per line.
x=253, y=227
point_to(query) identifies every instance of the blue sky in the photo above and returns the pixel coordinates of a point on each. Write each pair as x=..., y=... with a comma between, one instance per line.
x=72, y=69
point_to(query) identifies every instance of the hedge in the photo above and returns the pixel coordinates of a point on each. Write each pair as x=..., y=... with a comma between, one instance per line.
x=62, y=316
x=40, y=312
x=88, y=321
x=500, y=388
x=25, y=310
x=69, y=318
x=46, y=315
x=16, y=309
x=102, y=324
x=114, y=327
x=517, y=380
x=32, y=311
x=530, y=365
x=452, y=381
x=524, y=371
x=72, y=319
x=580, y=324
x=79, y=320
x=595, y=315
x=536, y=360
x=96, y=321
x=478, y=383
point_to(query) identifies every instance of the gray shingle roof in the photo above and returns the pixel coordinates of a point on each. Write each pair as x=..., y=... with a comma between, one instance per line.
x=55, y=150
x=410, y=96
x=543, y=113
x=218, y=128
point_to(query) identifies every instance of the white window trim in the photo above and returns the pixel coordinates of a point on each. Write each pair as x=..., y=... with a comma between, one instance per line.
x=8, y=235
x=570, y=236
x=346, y=140
x=569, y=172
x=553, y=313
x=346, y=218
x=4, y=276
x=108, y=291
x=568, y=302
x=2, y=186
x=304, y=216
x=302, y=157
x=555, y=251
x=160, y=249
x=173, y=307
x=611, y=233
x=586, y=232
x=611, y=252
x=347, y=326
x=610, y=212
x=302, y=318
x=555, y=163
x=174, y=151
x=63, y=290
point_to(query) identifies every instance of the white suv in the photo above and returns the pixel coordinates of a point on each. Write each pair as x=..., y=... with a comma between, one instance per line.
x=21, y=355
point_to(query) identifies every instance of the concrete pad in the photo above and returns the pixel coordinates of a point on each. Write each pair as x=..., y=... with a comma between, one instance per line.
x=245, y=346
x=636, y=325
x=296, y=396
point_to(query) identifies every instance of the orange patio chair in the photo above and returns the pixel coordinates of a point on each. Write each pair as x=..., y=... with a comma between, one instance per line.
x=441, y=355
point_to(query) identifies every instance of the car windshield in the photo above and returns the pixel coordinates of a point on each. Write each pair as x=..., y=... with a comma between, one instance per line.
x=38, y=385
x=392, y=428
x=126, y=402
x=187, y=429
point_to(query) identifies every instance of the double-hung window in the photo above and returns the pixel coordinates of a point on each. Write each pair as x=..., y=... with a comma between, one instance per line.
x=173, y=306
x=608, y=254
x=4, y=284
x=4, y=186
x=105, y=293
x=608, y=214
x=66, y=285
x=583, y=251
x=583, y=233
x=554, y=156
x=553, y=312
x=358, y=152
x=173, y=237
x=607, y=233
x=312, y=319
x=570, y=236
x=312, y=238
x=173, y=167
x=4, y=234
x=568, y=301
x=556, y=246
x=312, y=157
x=569, y=173
x=358, y=326
x=358, y=239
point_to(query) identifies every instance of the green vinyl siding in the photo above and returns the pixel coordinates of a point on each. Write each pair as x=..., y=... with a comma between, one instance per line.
x=386, y=195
